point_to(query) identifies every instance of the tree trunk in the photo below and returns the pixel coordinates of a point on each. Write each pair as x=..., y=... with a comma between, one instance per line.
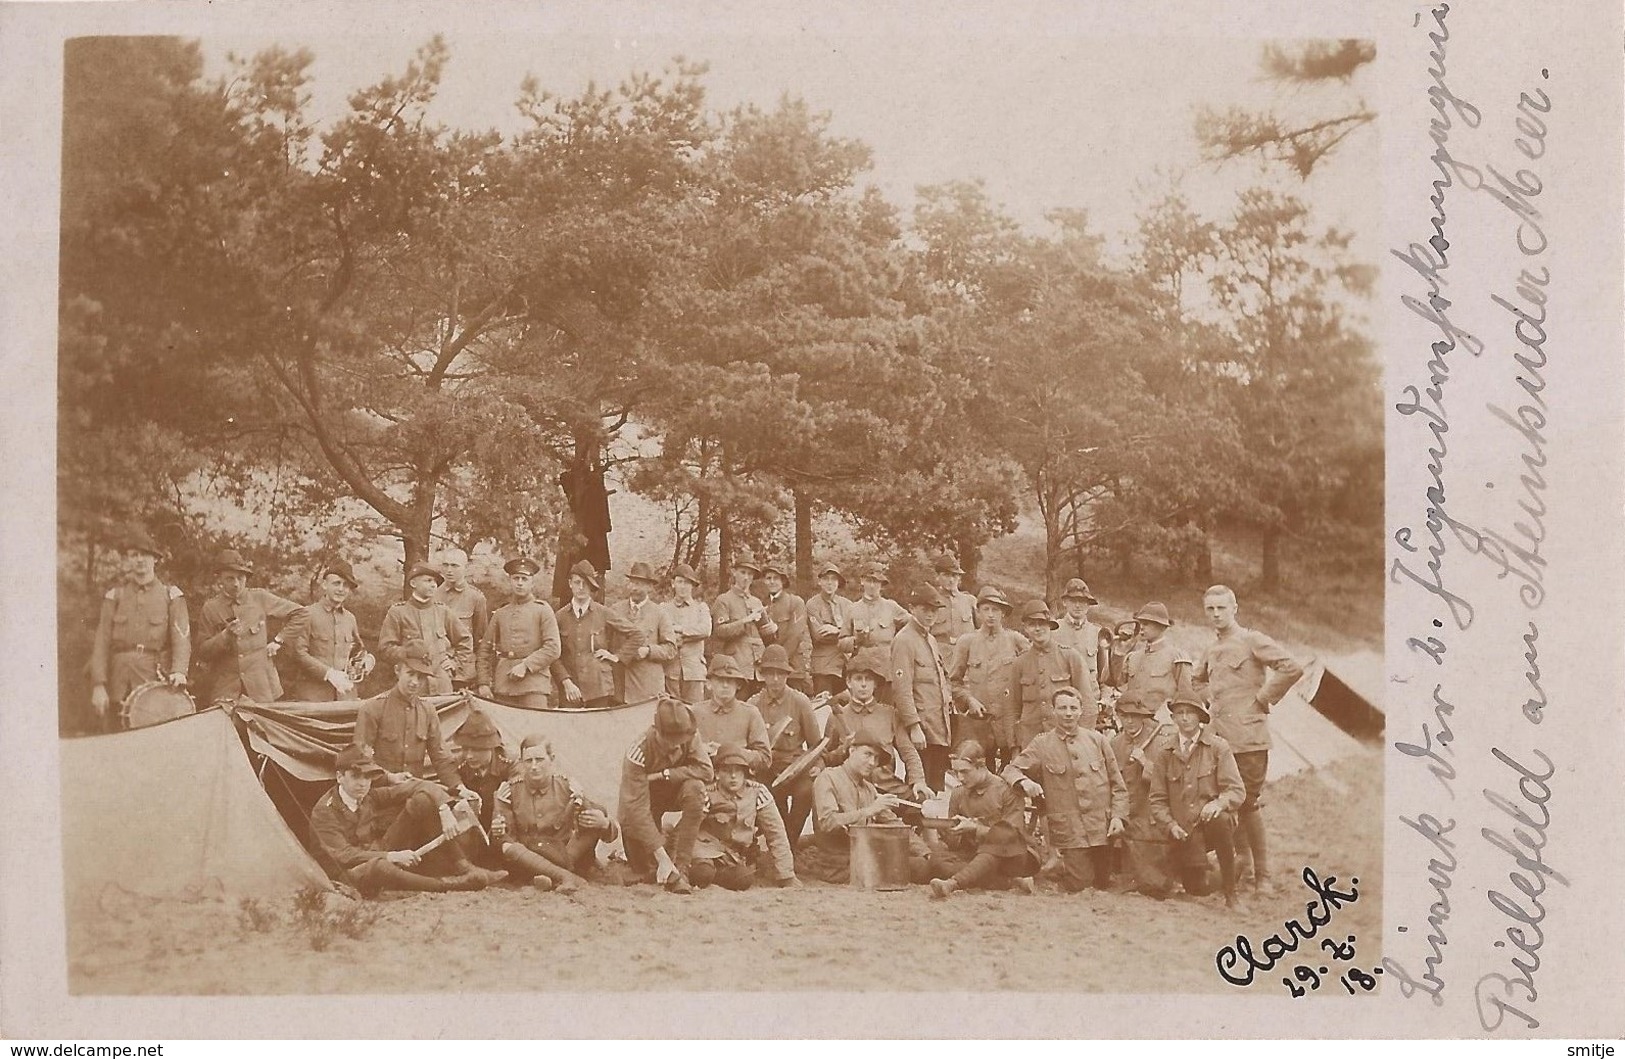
x=1204, y=554
x=415, y=540
x=1049, y=507
x=1272, y=560
x=702, y=533
x=804, y=541
x=725, y=550
x=970, y=557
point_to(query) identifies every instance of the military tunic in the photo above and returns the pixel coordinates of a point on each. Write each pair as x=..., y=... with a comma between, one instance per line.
x=143, y=633
x=1035, y=678
x=690, y=626
x=240, y=664
x=468, y=604
x=1155, y=672
x=542, y=818
x=523, y=631
x=644, y=679
x=1083, y=787
x=958, y=619
x=352, y=841
x=326, y=639
x=789, y=614
x=732, y=635
x=597, y=628
x=874, y=627
x=1245, y=673
x=848, y=719
x=829, y=622
x=733, y=823
x=404, y=736
x=738, y=723
x=981, y=668
x=441, y=631
x=1084, y=638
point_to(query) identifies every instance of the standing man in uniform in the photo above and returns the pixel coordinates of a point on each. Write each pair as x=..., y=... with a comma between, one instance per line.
x=666, y=770
x=862, y=716
x=1043, y=669
x=521, y=643
x=740, y=624
x=144, y=633
x=401, y=732
x=690, y=621
x=788, y=612
x=1244, y=674
x=829, y=620
x=419, y=617
x=234, y=634
x=980, y=670
x=593, y=639
x=792, y=728
x=641, y=674
x=920, y=688
x=467, y=603
x=1157, y=669
x=875, y=619
x=328, y=641
x=1079, y=633
x=959, y=616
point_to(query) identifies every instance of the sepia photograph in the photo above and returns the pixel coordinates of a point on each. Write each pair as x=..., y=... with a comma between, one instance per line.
x=756, y=511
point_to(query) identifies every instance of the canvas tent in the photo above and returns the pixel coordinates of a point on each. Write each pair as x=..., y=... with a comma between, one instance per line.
x=174, y=812
x=1323, y=718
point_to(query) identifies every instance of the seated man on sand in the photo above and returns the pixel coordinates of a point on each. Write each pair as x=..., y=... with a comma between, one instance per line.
x=842, y=797
x=372, y=834
x=739, y=813
x=990, y=845
x=544, y=826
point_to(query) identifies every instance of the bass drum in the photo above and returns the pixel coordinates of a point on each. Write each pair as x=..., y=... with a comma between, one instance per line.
x=153, y=703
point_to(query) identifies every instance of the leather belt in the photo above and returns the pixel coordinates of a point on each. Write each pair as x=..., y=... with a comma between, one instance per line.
x=138, y=647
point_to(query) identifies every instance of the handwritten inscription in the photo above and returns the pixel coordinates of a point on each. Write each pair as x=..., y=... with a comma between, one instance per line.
x=1241, y=961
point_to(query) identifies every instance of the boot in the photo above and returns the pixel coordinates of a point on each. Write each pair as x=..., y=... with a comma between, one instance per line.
x=539, y=868
x=387, y=876
x=465, y=876
x=941, y=888
x=1252, y=827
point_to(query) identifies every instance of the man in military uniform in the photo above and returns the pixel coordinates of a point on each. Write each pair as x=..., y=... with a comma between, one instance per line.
x=1042, y=670
x=875, y=619
x=234, y=634
x=328, y=641
x=420, y=618
x=740, y=623
x=788, y=613
x=1076, y=631
x=640, y=676
x=484, y=767
x=855, y=714
x=545, y=826
x=724, y=718
x=400, y=730
x=144, y=632
x=990, y=845
x=368, y=834
x=468, y=605
x=1157, y=669
x=980, y=668
x=958, y=618
x=1244, y=674
x=792, y=729
x=690, y=621
x=667, y=770
x=1195, y=789
x=515, y=659
x=739, y=813
x=920, y=688
x=593, y=640
x=829, y=620
x=1085, y=801
x=1145, y=842
x=843, y=797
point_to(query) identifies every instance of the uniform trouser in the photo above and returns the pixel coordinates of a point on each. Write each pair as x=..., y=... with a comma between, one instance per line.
x=686, y=797
x=1027, y=728
x=1254, y=766
x=978, y=728
x=981, y=869
x=1216, y=835
x=416, y=823
x=727, y=872
x=525, y=700
x=1085, y=867
x=793, y=799
x=934, y=760
x=690, y=691
x=827, y=682
x=313, y=691
x=1148, y=862
x=556, y=859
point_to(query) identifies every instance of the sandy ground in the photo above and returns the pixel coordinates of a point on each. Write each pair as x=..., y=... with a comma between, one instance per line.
x=817, y=937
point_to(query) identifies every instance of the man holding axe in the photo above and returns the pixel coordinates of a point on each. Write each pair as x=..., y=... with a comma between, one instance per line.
x=792, y=729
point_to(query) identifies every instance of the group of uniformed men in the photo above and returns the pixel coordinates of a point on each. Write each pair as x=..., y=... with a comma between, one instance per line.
x=1139, y=764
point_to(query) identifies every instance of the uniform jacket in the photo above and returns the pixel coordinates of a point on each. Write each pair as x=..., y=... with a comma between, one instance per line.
x=240, y=664
x=693, y=621
x=1001, y=810
x=325, y=639
x=1179, y=787
x=802, y=730
x=351, y=840
x=958, y=620
x=829, y=623
x=470, y=607
x=1245, y=673
x=143, y=629
x=874, y=626
x=1136, y=776
x=849, y=719
x=404, y=735
x=643, y=762
x=837, y=798
x=487, y=781
x=733, y=823
x=789, y=614
x=598, y=629
x=1083, y=787
x=546, y=814
x=732, y=635
x=642, y=679
x=981, y=667
x=1039, y=673
x=523, y=631
x=1153, y=671
x=920, y=687
x=1084, y=639
x=442, y=631
x=740, y=724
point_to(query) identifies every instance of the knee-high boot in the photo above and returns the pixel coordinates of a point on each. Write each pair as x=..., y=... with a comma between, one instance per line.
x=389, y=876
x=1251, y=833
x=536, y=865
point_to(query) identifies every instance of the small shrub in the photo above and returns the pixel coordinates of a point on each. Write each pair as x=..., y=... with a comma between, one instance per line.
x=254, y=917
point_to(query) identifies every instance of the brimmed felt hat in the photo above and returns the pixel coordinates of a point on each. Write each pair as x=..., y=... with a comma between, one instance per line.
x=425, y=570
x=776, y=566
x=724, y=667
x=686, y=573
x=875, y=572
x=925, y=595
x=1155, y=612
x=1185, y=698
x=869, y=739
x=416, y=657
x=588, y=573
x=1036, y=610
x=1077, y=588
x=478, y=733
x=865, y=662
x=673, y=718
x=775, y=659
x=991, y=594
x=946, y=563
x=356, y=759
x=136, y=539
x=1136, y=703
x=522, y=566
x=342, y=568
x=730, y=756
x=831, y=568
x=642, y=571
x=747, y=561
x=231, y=559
